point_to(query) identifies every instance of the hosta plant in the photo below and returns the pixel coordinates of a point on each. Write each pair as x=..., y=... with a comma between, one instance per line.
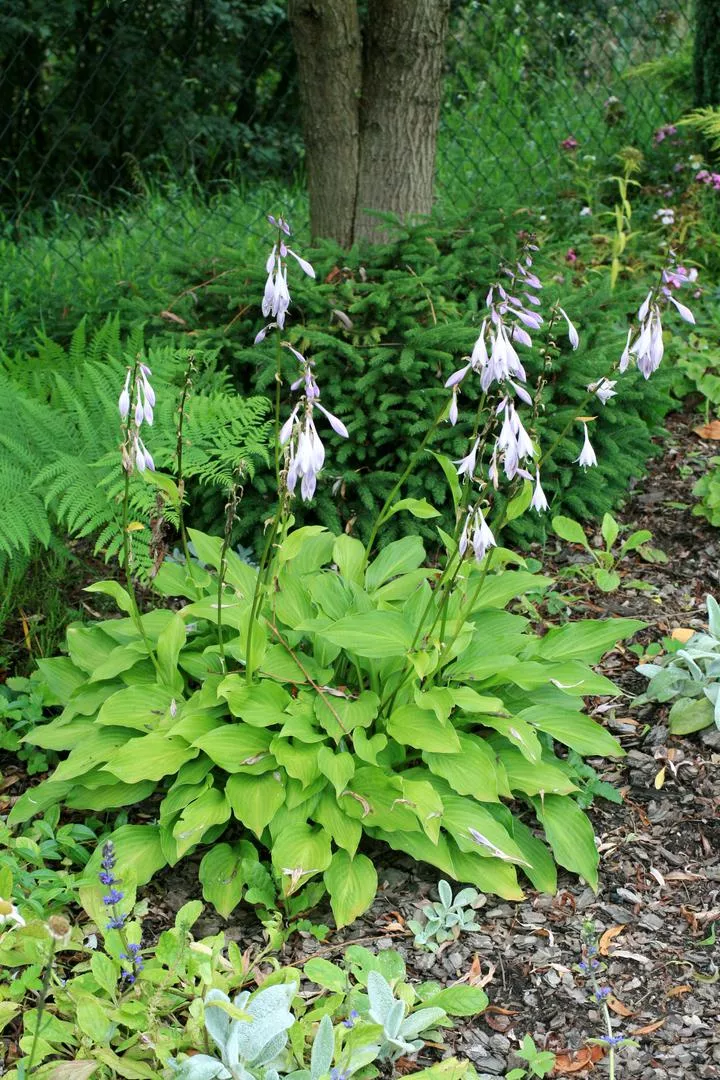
x=689, y=678
x=445, y=918
x=351, y=709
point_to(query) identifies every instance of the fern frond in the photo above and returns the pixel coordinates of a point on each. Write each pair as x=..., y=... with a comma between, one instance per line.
x=707, y=122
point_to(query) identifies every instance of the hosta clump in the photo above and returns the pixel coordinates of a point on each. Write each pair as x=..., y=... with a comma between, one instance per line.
x=446, y=918
x=690, y=678
x=361, y=707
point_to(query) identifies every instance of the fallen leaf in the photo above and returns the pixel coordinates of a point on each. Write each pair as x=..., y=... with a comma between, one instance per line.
x=172, y=317
x=649, y=1028
x=608, y=937
x=618, y=1007
x=686, y=988
x=577, y=1060
x=682, y=633
x=709, y=431
x=499, y=1009
x=499, y=1023
x=660, y=779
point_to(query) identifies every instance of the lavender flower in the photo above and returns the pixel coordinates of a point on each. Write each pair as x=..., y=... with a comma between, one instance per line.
x=276, y=297
x=124, y=400
x=114, y=896
x=350, y=1021
x=538, y=502
x=135, y=454
x=603, y=389
x=612, y=1040
x=306, y=453
x=477, y=534
x=573, y=335
x=587, y=456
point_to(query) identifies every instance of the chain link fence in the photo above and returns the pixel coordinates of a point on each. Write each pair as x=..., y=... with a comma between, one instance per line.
x=153, y=109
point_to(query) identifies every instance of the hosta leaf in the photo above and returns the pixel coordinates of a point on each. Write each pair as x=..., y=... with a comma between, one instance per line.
x=465, y=820
x=258, y=704
x=345, y=831
x=412, y=726
x=299, y=852
x=235, y=746
x=61, y=677
x=349, y=554
x=471, y=771
x=352, y=884
x=587, y=640
x=534, y=777
x=149, y=758
x=569, y=834
x=255, y=799
x=374, y=634
x=573, y=729
x=399, y=557
x=139, y=707
x=211, y=808
x=338, y=767
x=221, y=876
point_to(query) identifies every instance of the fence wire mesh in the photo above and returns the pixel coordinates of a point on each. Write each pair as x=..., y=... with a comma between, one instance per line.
x=108, y=103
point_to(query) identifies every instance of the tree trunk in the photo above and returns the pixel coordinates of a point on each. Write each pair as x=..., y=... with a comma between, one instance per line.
x=706, y=58
x=401, y=90
x=326, y=34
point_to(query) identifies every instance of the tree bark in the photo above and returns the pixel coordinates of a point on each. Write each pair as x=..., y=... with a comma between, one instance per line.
x=401, y=90
x=326, y=35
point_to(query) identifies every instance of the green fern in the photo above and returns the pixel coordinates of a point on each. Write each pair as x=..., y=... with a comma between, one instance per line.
x=707, y=122
x=59, y=449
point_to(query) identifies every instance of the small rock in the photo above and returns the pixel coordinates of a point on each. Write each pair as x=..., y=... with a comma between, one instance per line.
x=499, y=1044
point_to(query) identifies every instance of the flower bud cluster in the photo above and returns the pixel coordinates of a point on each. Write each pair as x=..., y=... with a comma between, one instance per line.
x=647, y=349
x=305, y=453
x=135, y=455
x=131, y=959
x=276, y=298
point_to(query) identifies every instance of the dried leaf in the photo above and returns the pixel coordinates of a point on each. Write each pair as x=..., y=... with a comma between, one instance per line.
x=676, y=991
x=608, y=936
x=499, y=1023
x=499, y=1009
x=660, y=778
x=172, y=317
x=709, y=431
x=682, y=633
x=649, y=1028
x=618, y=1007
x=577, y=1060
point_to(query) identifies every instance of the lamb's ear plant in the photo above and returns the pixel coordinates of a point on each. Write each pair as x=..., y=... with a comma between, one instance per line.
x=445, y=918
x=689, y=677
x=336, y=691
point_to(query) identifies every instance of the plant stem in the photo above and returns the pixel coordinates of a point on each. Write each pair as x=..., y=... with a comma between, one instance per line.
x=179, y=456
x=42, y=1001
x=230, y=514
x=130, y=584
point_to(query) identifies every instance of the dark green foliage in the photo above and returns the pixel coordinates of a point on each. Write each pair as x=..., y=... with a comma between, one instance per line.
x=100, y=94
x=415, y=308
x=706, y=57
x=59, y=443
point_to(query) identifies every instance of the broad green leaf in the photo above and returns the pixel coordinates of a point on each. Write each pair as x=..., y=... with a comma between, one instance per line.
x=519, y=733
x=399, y=557
x=149, y=758
x=541, y=869
x=255, y=799
x=138, y=854
x=426, y=803
x=610, y=530
x=88, y=646
x=574, y=729
x=105, y=972
x=569, y=834
x=606, y=580
x=114, y=589
x=237, y=746
x=169, y=644
x=470, y=701
x=207, y=548
x=93, y=1017
x=109, y=796
x=339, y=715
x=489, y=875
x=450, y=472
x=121, y=659
x=349, y=554
x=367, y=749
x=95, y=750
x=459, y=1000
x=298, y=853
x=534, y=777
x=690, y=714
x=519, y=504
x=471, y=771
x=636, y=540
x=437, y=698
x=498, y=589
x=374, y=634
x=376, y=797
x=61, y=677
x=345, y=831
x=299, y=760
x=419, y=508
x=587, y=640
x=291, y=600
x=211, y=808
x=138, y=707
x=258, y=704
x=570, y=530
x=338, y=767
x=310, y=547
x=461, y=815
x=35, y=800
x=326, y=974
x=411, y=726
x=352, y=884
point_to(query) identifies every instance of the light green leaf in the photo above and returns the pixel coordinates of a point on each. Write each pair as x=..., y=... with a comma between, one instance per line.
x=92, y=1017
x=61, y=677
x=569, y=834
x=104, y=971
x=237, y=746
x=211, y=808
x=258, y=704
x=471, y=771
x=535, y=777
x=114, y=589
x=610, y=530
x=352, y=884
x=462, y=815
x=88, y=646
x=169, y=644
x=399, y=557
x=411, y=726
x=345, y=831
x=459, y=1000
x=138, y=707
x=606, y=580
x=149, y=758
x=349, y=554
x=574, y=729
x=470, y=701
x=137, y=851
x=586, y=640
x=519, y=504
x=300, y=760
x=326, y=974
x=450, y=472
x=300, y=852
x=419, y=508
x=690, y=714
x=255, y=799
x=338, y=767
x=570, y=530
x=374, y=634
